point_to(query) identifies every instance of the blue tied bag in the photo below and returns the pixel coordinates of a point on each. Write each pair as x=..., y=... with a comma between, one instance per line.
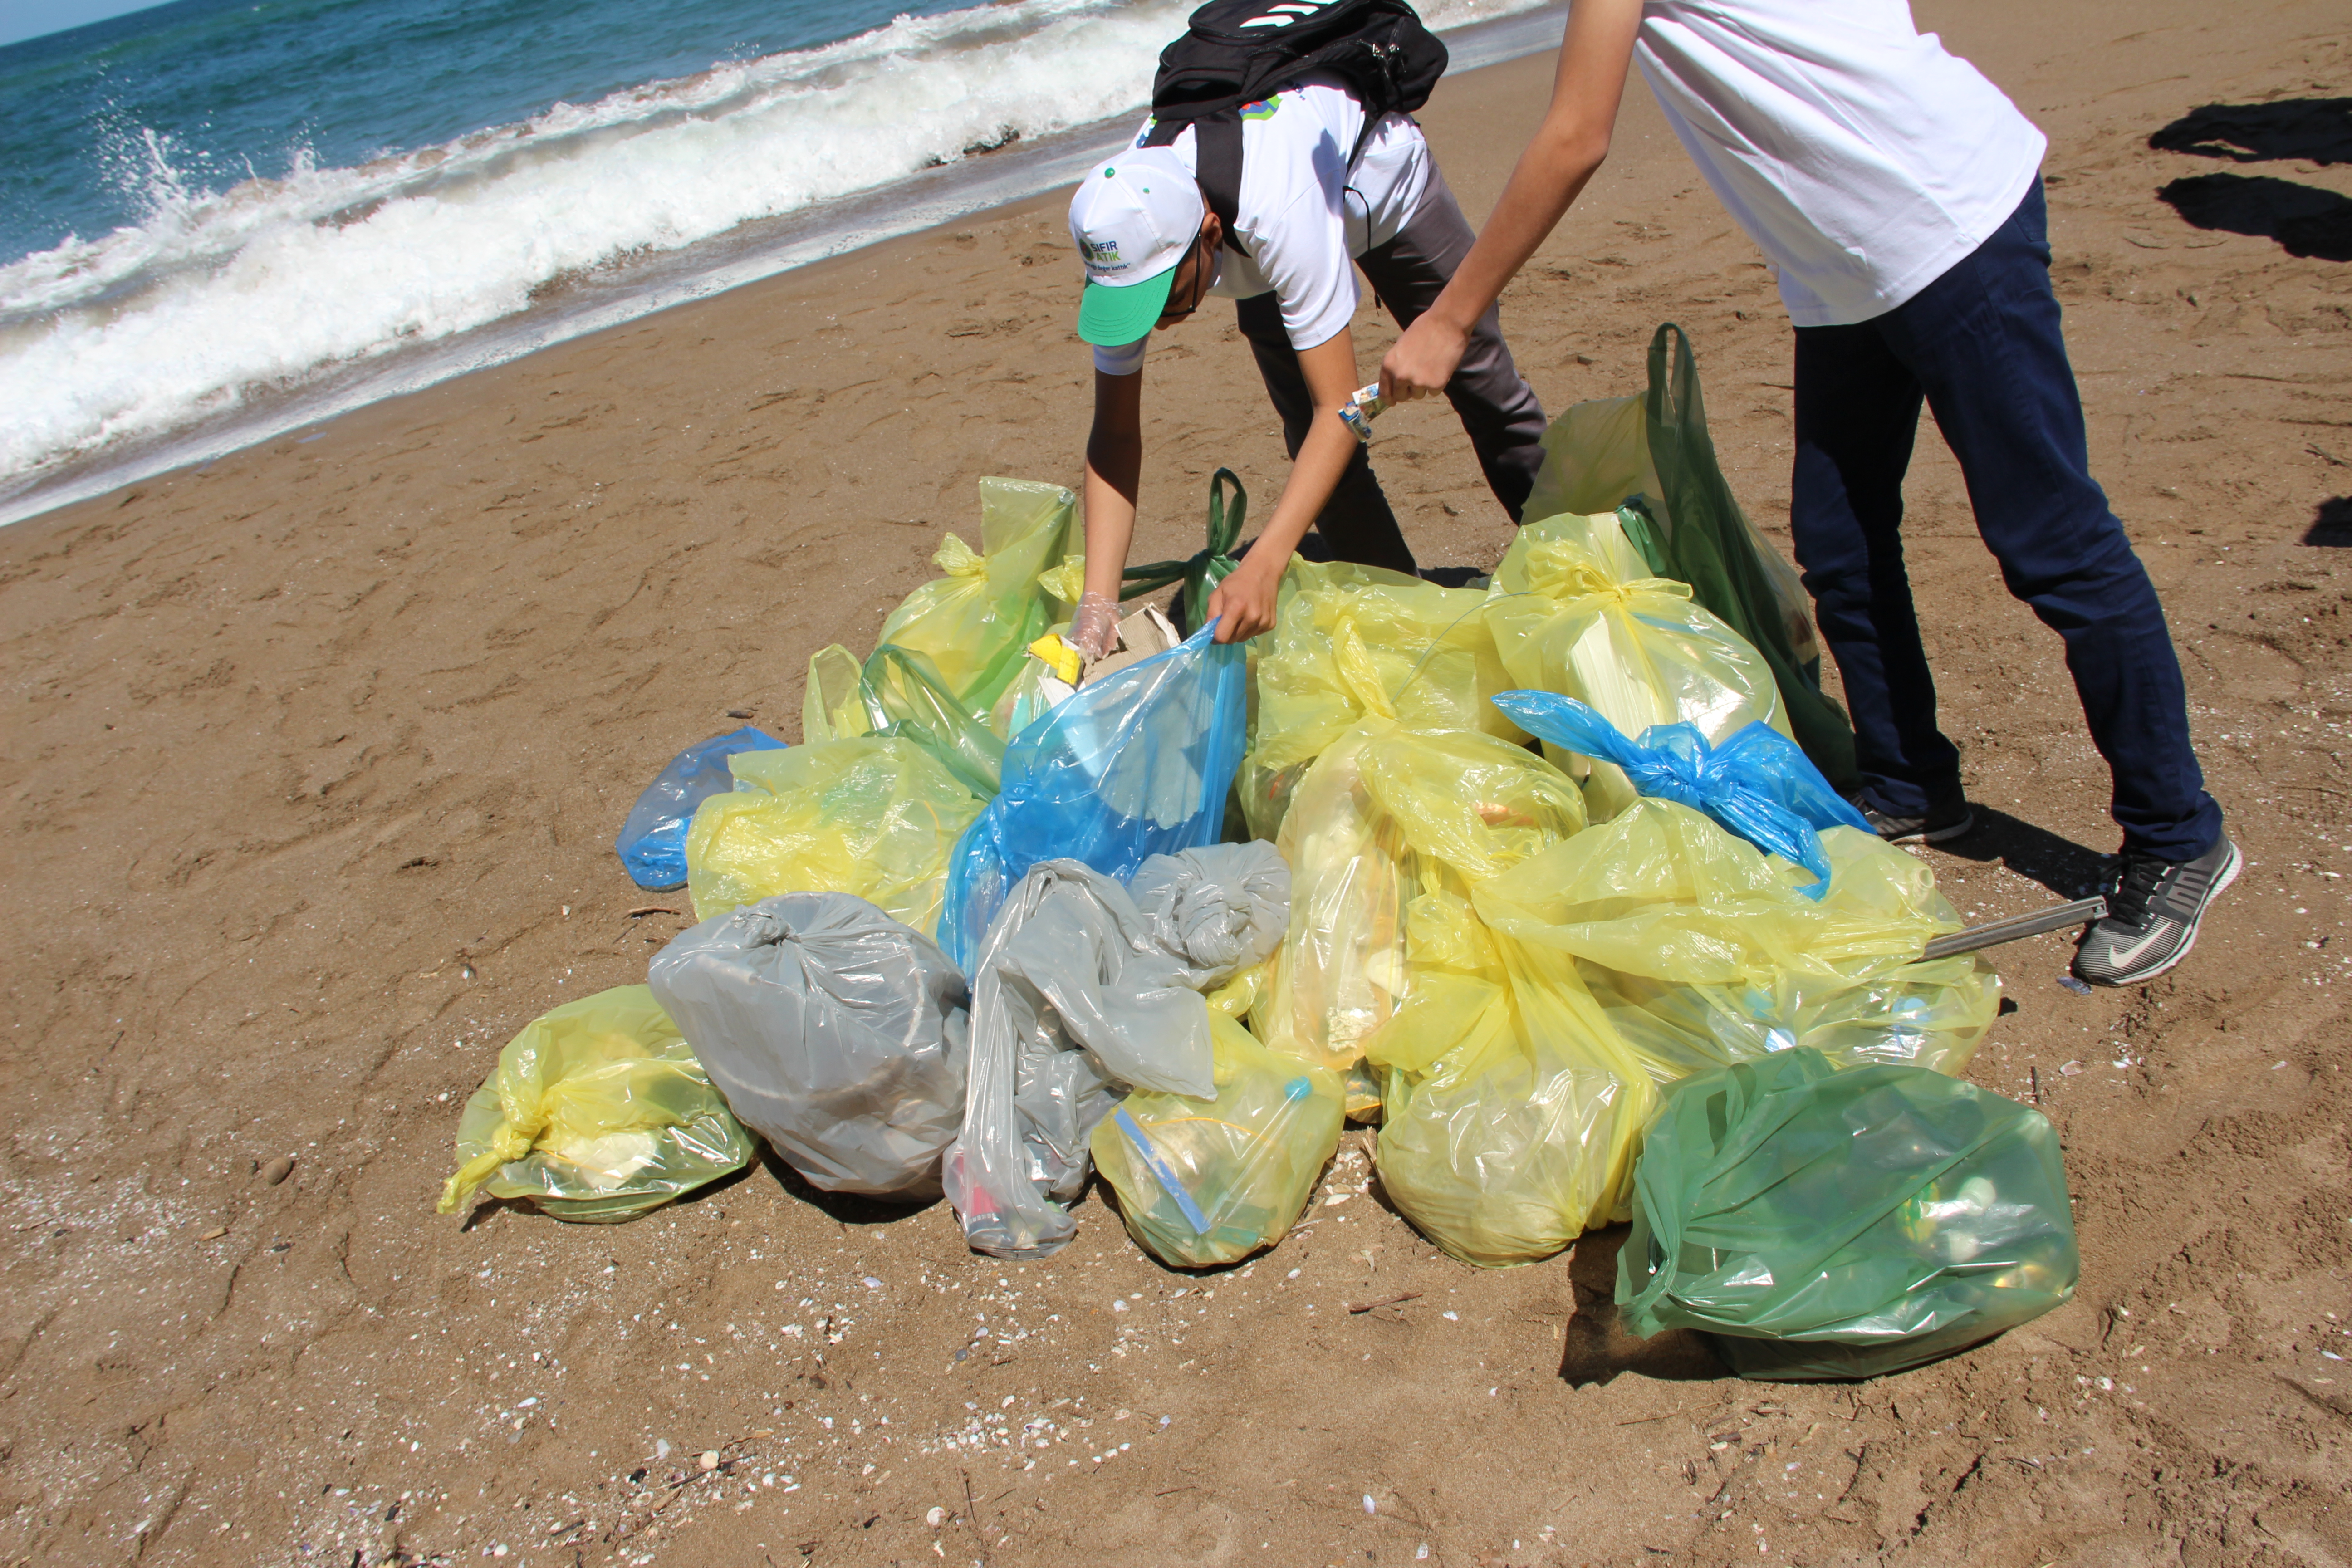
x=1757, y=783
x=652, y=842
x=1135, y=765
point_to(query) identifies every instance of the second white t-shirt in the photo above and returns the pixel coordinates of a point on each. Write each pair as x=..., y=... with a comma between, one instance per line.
x=1300, y=213
x=1862, y=156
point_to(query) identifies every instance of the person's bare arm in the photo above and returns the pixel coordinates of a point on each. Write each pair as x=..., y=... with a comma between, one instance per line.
x=1114, y=470
x=1568, y=147
x=1243, y=604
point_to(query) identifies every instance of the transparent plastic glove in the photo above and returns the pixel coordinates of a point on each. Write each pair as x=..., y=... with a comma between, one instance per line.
x=1093, y=626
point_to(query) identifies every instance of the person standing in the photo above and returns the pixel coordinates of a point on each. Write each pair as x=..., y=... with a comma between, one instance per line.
x=1897, y=194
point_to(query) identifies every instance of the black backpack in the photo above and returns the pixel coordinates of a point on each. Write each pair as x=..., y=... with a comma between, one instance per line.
x=1235, y=52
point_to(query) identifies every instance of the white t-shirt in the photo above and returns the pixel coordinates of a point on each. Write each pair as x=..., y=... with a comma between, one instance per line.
x=1300, y=213
x=1862, y=158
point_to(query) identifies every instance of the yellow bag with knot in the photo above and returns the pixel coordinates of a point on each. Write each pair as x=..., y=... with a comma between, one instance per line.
x=976, y=623
x=873, y=815
x=596, y=1111
x=1382, y=814
x=1207, y=1182
x=1703, y=950
x=1573, y=610
x=1511, y=1114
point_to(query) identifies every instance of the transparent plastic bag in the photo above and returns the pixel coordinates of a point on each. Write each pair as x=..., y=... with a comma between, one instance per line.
x=597, y=1112
x=834, y=1032
x=873, y=816
x=976, y=623
x=1204, y=1182
x=1566, y=618
x=1075, y=1002
x=1383, y=812
x=651, y=840
x=1759, y=783
x=1827, y=1224
x=1353, y=642
x=1656, y=445
x=902, y=693
x=1134, y=765
x=1702, y=949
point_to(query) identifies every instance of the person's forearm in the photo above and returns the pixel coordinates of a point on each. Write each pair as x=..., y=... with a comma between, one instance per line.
x=1114, y=468
x=1315, y=473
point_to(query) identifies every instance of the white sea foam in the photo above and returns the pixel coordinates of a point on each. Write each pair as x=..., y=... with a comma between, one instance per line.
x=221, y=298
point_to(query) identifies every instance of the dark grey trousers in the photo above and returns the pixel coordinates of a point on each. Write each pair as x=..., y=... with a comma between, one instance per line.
x=1496, y=406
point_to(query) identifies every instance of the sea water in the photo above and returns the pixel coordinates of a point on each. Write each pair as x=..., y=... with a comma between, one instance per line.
x=219, y=216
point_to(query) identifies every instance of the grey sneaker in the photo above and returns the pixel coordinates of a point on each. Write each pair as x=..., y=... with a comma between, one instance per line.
x=1947, y=817
x=2153, y=910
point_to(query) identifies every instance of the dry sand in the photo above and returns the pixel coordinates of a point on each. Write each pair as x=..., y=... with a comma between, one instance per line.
x=314, y=759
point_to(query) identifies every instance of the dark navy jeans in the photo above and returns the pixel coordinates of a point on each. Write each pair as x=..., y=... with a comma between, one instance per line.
x=1982, y=346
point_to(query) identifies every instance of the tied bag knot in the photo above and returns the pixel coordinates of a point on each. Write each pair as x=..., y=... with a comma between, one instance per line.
x=1206, y=568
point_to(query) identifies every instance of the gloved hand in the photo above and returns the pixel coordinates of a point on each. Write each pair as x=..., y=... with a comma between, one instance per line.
x=1094, y=625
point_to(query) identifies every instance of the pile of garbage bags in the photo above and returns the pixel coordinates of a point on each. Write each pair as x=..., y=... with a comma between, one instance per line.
x=1550, y=878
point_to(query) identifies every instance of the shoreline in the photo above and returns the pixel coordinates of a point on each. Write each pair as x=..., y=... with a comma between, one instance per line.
x=968, y=190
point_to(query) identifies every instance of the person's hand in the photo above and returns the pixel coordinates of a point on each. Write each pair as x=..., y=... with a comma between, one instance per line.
x=1243, y=604
x=1094, y=624
x=1422, y=361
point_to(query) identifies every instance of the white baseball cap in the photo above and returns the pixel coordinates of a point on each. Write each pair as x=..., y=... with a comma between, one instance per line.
x=1133, y=218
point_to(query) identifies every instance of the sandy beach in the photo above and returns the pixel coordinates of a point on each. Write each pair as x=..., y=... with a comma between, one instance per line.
x=314, y=757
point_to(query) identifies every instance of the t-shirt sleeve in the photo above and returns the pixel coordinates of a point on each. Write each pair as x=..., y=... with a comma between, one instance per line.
x=1303, y=253
x=1127, y=359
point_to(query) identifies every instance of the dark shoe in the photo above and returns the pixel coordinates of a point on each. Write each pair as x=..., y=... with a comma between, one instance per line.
x=1945, y=818
x=2153, y=910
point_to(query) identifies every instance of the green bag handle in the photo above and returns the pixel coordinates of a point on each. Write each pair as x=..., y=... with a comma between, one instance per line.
x=1210, y=566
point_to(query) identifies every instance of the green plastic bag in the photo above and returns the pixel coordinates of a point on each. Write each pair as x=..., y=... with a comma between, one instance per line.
x=1836, y=1225
x=1206, y=1181
x=975, y=625
x=597, y=1112
x=1203, y=570
x=900, y=692
x=1656, y=445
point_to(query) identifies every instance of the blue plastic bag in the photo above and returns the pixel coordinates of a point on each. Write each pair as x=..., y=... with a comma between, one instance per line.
x=1135, y=765
x=652, y=843
x=1757, y=783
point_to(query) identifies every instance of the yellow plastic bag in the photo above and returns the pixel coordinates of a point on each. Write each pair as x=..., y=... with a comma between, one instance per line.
x=874, y=815
x=1511, y=1114
x=1206, y=1181
x=1573, y=611
x=1382, y=814
x=976, y=623
x=596, y=1111
x=1704, y=950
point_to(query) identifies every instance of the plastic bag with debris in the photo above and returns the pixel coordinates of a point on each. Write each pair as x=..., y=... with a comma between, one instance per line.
x=1134, y=765
x=976, y=623
x=902, y=693
x=651, y=840
x=874, y=816
x=1758, y=785
x=1573, y=611
x=1203, y=1182
x=597, y=1112
x=1828, y=1223
x=1081, y=995
x=834, y=1032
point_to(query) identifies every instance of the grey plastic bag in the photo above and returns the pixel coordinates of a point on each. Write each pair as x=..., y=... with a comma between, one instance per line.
x=834, y=1032
x=1080, y=995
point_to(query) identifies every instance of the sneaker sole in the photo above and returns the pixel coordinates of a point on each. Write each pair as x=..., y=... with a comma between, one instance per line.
x=1938, y=835
x=2220, y=885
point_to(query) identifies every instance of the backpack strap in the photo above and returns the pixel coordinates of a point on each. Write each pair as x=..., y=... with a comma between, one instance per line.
x=1216, y=165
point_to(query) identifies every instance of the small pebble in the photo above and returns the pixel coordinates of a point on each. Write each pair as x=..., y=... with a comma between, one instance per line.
x=277, y=1171
x=709, y=1458
x=936, y=1518
x=1369, y=1506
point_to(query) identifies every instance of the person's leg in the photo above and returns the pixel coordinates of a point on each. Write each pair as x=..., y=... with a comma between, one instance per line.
x=1356, y=522
x=1493, y=400
x=1857, y=414
x=1985, y=342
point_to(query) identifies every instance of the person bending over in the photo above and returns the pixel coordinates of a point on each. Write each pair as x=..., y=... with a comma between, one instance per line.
x=1898, y=195
x=1154, y=251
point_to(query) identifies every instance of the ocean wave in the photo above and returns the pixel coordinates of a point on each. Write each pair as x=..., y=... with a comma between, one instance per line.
x=217, y=298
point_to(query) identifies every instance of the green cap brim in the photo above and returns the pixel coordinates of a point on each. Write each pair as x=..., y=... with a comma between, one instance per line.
x=1113, y=318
